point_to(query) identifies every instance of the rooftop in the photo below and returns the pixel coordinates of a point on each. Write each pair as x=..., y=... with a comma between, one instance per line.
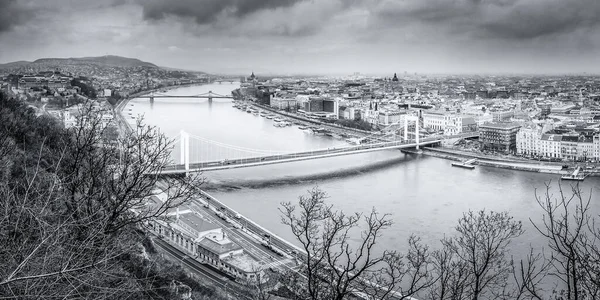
x=500, y=125
x=196, y=223
x=244, y=262
x=218, y=244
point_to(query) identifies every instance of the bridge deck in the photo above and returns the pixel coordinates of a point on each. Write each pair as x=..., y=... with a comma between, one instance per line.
x=291, y=157
x=174, y=96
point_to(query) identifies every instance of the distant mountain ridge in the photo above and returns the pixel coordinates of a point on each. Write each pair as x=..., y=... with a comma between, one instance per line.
x=106, y=60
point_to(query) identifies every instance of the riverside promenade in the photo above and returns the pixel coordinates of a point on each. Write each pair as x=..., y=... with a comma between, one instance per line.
x=519, y=164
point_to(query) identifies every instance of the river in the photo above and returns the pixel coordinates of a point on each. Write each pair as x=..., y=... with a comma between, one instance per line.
x=424, y=195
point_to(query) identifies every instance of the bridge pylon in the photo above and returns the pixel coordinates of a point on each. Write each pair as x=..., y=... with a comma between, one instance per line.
x=412, y=119
x=184, y=142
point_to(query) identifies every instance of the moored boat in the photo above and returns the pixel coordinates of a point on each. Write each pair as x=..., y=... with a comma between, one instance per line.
x=463, y=165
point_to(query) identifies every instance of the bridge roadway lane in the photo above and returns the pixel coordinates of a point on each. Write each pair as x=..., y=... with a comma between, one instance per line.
x=314, y=154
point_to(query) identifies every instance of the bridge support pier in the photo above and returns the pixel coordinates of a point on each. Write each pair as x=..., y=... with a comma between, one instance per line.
x=209, y=97
x=151, y=99
x=184, y=157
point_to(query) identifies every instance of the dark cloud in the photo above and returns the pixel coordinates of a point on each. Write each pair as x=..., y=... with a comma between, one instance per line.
x=547, y=18
x=12, y=14
x=208, y=11
x=501, y=19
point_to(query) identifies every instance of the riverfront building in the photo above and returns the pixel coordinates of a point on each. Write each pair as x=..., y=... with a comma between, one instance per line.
x=204, y=241
x=499, y=136
x=450, y=123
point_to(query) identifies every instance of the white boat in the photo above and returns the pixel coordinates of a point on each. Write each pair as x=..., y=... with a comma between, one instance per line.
x=463, y=165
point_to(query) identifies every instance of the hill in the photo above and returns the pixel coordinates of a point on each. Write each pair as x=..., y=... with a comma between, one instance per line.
x=107, y=60
x=15, y=64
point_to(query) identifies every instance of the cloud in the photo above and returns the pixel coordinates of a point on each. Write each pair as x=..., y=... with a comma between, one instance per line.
x=208, y=11
x=497, y=19
x=12, y=14
x=174, y=48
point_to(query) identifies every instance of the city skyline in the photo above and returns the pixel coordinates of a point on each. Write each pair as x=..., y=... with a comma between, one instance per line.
x=328, y=37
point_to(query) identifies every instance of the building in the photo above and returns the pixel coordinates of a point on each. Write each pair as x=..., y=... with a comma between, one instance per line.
x=499, y=136
x=204, y=241
x=284, y=102
x=550, y=146
x=529, y=138
x=449, y=122
x=389, y=117
x=503, y=115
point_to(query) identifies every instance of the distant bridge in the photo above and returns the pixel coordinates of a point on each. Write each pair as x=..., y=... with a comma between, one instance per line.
x=210, y=96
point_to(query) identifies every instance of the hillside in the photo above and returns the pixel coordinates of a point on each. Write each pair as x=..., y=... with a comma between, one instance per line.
x=70, y=226
x=107, y=60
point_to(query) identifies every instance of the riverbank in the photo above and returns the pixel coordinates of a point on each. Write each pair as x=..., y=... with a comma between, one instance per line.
x=333, y=127
x=503, y=163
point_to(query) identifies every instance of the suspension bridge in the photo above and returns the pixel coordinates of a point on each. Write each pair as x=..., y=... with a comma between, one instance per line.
x=210, y=96
x=198, y=154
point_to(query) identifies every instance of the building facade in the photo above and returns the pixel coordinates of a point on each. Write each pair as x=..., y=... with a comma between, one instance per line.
x=499, y=136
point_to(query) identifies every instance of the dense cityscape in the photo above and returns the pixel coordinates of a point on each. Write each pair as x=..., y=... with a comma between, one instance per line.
x=300, y=150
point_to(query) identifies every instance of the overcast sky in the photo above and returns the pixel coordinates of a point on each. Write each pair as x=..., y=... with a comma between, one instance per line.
x=313, y=36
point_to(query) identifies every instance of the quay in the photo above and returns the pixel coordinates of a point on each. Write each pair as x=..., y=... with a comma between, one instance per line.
x=577, y=175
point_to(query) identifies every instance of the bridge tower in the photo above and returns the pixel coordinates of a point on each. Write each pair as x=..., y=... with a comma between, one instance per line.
x=412, y=119
x=184, y=142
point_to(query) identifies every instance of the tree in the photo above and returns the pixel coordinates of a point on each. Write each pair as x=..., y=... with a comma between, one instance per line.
x=569, y=228
x=474, y=264
x=334, y=267
x=73, y=202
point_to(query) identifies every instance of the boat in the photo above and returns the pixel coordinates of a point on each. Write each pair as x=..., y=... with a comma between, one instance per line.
x=353, y=141
x=269, y=117
x=320, y=131
x=278, y=120
x=466, y=164
x=576, y=175
x=463, y=165
x=303, y=127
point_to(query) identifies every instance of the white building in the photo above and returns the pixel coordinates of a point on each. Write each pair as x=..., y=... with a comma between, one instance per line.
x=389, y=117
x=449, y=122
x=550, y=146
